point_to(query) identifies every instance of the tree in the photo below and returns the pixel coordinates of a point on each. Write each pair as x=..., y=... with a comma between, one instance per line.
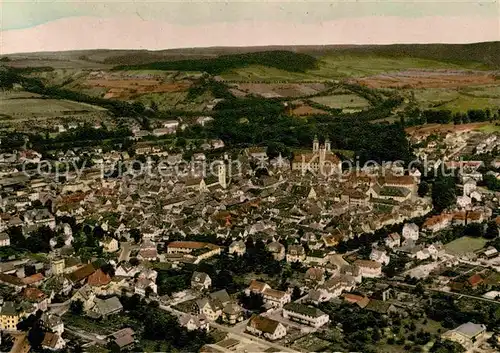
x=492, y=231
x=296, y=293
x=76, y=307
x=443, y=193
x=253, y=302
x=423, y=189
x=136, y=235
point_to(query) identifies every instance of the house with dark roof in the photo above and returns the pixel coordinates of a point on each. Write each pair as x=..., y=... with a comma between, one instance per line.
x=305, y=314
x=200, y=281
x=122, y=339
x=105, y=307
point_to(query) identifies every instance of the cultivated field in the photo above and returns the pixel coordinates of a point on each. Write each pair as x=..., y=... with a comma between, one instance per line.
x=465, y=245
x=281, y=89
x=458, y=99
x=22, y=105
x=338, y=66
x=342, y=101
x=425, y=78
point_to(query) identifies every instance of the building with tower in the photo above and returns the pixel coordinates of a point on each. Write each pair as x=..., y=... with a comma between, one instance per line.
x=57, y=267
x=321, y=161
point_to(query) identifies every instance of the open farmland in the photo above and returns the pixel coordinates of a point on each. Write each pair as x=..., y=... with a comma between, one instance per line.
x=23, y=105
x=342, y=101
x=336, y=66
x=428, y=79
x=281, y=90
x=259, y=73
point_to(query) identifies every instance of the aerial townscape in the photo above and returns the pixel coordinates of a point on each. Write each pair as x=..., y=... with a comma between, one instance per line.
x=314, y=198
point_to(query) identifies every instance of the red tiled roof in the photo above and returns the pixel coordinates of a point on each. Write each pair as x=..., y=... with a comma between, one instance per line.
x=475, y=280
x=99, y=278
x=37, y=277
x=33, y=294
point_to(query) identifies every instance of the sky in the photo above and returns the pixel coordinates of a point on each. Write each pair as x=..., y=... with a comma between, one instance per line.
x=48, y=25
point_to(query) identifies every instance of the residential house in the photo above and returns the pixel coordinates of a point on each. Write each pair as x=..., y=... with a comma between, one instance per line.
x=232, y=313
x=194, y=322
x=200, y=281
x=256, y=287
x=436, y=223
x=109, y=244
x=201, y=251
x=369, y=268
x=126, y=270
x=122, y=339
x=106, y=307
x=52, y=323
x=466, y=334
x=393, y=240
x=277, y=250
x=305, y=314
x=142, y=284
x=53, y=342
x=4, y=239
x=262, y=326
x=314, y=276
x=237, y=248
x=410, y=231
x=212, y=310
x=295, y=253
x=276, y=298
x=86, y=295
x=9, y=316
x=380, y=256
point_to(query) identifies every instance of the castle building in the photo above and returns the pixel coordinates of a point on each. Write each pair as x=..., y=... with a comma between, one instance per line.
x=321, y=161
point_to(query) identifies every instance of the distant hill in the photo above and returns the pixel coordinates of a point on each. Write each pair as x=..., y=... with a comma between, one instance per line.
x=284, y=60
x=486, y=53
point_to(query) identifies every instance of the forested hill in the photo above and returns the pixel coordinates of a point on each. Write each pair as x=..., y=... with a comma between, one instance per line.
x=284, y=60
x=487, y=53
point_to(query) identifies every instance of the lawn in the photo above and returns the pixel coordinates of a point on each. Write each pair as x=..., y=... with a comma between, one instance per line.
x=464, y=245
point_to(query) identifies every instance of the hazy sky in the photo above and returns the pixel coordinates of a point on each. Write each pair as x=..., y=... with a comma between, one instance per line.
x=33, y=25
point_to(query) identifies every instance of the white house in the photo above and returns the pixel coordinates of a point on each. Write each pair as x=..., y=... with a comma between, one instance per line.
x=393, y=240
x=379, y=256
x=295, y=253
x=266, y=327
x=369, y=268
x=305, y=314
x=237, y=248
x=200, y=281
x=410, y=231
x=4, y=239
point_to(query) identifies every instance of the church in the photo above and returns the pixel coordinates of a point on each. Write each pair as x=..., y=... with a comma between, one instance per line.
x=321, y=161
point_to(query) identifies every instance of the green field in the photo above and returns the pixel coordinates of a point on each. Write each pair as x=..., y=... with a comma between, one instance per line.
x=21, y=105
x=341, y=101
x=476, y=97
x=465, y=245
x=339, y=66
x=269, y=74
x=490, y=128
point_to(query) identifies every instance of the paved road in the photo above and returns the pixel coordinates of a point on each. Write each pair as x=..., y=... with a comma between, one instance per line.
x=236, y=331
x=125, y=251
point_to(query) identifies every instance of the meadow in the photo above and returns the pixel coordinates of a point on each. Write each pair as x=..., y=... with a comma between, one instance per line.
x=465, y=245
